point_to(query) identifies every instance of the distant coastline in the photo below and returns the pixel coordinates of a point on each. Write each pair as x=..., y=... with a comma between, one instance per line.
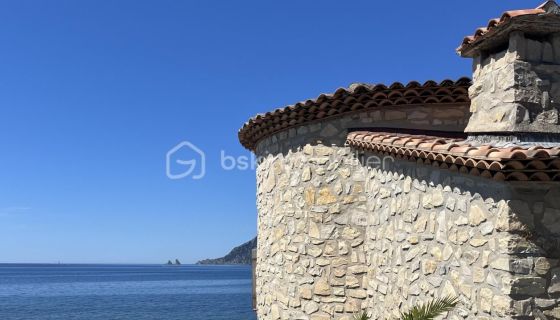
x=238, y=255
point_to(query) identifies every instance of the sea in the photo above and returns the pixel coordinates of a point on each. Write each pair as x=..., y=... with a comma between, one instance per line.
x=125, y=292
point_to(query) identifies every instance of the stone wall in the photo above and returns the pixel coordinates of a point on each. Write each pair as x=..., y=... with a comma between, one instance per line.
x=338, y=233
x=311, y=227
x=439, y=117
x=433, y=233
x=518, y=88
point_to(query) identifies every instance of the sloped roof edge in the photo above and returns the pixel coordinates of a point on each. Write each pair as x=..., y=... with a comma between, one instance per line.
x=549, y=9
x=511, y=163
x=356, y=98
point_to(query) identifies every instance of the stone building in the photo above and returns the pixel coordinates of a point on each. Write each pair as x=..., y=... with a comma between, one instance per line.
x=381, y=197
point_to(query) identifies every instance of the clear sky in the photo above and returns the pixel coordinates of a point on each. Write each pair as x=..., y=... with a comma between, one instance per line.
x=93, y=94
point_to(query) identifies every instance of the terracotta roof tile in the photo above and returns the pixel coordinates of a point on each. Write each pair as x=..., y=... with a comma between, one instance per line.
x=357, y=98
x=514, y=163
x=497, y=24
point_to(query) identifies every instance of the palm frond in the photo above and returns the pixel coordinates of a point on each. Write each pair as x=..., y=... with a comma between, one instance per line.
x=362, y=316
x=431, y=309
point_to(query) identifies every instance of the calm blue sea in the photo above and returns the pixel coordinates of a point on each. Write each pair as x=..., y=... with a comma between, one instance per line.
x=131, y=292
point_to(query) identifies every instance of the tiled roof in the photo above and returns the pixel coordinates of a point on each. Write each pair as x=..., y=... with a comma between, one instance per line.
x=356, y=98
x=500, y=24
x=512, y=163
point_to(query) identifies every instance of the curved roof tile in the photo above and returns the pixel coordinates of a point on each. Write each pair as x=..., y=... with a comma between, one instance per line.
x=498, y=23
x=357, y=97
x=515, y=163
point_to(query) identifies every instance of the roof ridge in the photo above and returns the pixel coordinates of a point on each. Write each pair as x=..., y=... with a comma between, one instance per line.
x=549, y=7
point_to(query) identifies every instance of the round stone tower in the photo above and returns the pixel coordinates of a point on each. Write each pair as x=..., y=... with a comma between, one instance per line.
x=379, y=198
x=311, y=196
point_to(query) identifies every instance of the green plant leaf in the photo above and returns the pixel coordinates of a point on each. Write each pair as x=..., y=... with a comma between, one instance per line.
x=430, y=310
x=362, y=316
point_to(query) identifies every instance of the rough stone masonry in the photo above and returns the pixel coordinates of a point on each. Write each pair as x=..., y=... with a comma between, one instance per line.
x=344, y=229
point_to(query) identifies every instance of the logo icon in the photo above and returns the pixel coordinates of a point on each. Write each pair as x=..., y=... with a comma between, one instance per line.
x=184, y=160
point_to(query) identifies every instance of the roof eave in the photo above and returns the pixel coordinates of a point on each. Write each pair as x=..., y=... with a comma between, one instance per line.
x=533, y=25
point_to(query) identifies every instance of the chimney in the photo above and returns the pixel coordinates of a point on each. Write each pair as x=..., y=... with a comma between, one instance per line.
x=516, y=75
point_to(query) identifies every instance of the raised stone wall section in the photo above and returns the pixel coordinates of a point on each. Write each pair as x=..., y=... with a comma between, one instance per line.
x=440, y=117
x=517, y=89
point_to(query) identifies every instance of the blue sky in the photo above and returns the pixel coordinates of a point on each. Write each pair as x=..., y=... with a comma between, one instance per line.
x=94, y=93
